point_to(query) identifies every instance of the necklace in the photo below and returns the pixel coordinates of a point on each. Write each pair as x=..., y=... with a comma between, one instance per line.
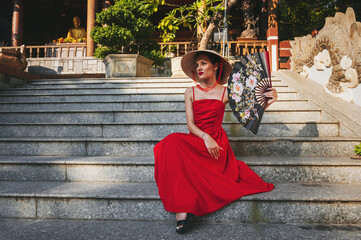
x=206, y=89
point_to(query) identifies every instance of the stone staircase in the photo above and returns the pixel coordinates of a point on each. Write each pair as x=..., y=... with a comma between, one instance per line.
x=83, y=149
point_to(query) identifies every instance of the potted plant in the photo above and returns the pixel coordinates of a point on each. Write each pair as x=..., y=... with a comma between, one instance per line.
x=125, y=36
x=357, y=152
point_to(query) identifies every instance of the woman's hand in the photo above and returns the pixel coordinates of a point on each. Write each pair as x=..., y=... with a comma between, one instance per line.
x=272, y=95
x=212, y=146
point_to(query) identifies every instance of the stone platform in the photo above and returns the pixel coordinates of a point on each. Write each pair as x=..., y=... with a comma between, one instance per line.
x=22, y=229
x=66, y=65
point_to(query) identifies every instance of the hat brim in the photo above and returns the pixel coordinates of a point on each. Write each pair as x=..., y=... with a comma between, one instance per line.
x=189, y=67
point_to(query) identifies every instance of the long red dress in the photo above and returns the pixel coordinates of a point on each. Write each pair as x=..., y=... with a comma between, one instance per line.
x=189, y=179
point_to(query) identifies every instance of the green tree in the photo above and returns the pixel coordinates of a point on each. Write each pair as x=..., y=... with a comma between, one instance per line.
x=298, y=18
x=342, y=5
x=123, y=28
x=207, y=13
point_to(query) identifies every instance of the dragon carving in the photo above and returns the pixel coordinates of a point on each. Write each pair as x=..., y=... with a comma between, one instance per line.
x=338, y=44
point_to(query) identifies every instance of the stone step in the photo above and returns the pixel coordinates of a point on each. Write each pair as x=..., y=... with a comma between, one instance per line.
x=120, y=79
x=107, y=97
x=108, y=90
x=291, y=203
x=121, y=105
x=41, y=229
x=44, y=82
x=148, y=116
x=105, y=86
x=141, y=169
x=138, y=85
x=242, y=146
x=127, y=130
x=111, y=80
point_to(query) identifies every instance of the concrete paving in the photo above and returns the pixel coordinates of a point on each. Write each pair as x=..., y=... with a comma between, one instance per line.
x=11, y=229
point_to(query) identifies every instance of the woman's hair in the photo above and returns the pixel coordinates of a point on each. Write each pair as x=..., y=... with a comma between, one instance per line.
x=214, y=59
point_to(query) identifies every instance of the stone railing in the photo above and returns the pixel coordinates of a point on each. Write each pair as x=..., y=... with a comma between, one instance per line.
x=176, y=49
x=54, y=50
x=245, y=47
x=69, y=58
x=170, y=49
x=237, y=48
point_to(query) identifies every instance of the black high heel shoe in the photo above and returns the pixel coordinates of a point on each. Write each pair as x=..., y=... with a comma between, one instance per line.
x=184, y=224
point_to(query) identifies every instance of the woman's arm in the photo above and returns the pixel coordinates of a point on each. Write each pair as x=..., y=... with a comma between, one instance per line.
x=210, y=143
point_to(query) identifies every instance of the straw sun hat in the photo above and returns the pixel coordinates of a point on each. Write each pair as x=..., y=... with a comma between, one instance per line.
x=188, y=64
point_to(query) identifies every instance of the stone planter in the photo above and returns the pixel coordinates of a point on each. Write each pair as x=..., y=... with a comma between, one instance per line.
x=176, y=67
x=127, y=65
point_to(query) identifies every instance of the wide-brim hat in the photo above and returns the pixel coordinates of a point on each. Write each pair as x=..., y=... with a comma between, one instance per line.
x=188, y=64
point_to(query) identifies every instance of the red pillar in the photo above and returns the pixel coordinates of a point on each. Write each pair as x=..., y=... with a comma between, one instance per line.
x=90, y=46
x=16, y=30
x=272, y=33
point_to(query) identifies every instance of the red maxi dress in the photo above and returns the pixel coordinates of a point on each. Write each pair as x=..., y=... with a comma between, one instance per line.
x=189, y=179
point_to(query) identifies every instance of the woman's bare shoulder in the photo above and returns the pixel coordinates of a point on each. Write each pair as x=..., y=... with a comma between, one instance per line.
x=188, y=92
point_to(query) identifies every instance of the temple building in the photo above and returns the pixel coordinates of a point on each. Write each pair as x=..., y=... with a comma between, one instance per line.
x=54, y=31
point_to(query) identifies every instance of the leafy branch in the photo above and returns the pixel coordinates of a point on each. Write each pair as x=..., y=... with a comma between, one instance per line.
x=198, y=13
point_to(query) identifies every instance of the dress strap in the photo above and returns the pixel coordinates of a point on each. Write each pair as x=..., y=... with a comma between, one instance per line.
x=223, y=93
x=193, y=94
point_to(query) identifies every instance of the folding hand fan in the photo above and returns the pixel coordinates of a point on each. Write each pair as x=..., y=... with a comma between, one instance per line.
x=248, y=81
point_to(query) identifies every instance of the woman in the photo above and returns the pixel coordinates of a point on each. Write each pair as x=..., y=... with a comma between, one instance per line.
x=197, y=173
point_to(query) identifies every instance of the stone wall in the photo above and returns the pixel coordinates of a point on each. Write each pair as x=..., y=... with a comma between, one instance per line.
x=75, y=65
x=8, y=81
x=85, y=65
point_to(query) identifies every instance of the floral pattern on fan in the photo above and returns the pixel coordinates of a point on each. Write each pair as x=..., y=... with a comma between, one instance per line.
x=243, y=87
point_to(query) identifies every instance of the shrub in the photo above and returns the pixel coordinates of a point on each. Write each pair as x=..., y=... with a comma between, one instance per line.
x=123, y=28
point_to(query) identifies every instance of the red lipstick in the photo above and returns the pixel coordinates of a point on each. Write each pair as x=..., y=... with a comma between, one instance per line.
x=200, y=73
